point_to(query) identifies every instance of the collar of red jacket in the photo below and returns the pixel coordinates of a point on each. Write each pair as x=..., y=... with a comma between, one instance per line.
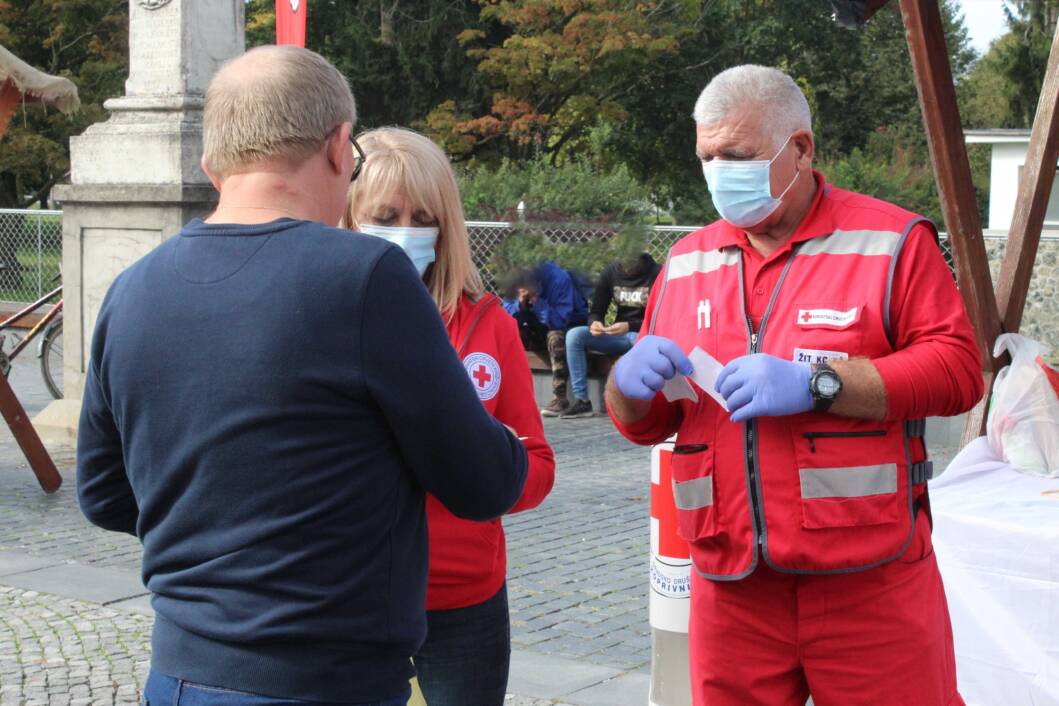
x=817, y=222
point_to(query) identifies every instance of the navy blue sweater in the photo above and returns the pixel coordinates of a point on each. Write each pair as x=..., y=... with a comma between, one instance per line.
x=265, y=407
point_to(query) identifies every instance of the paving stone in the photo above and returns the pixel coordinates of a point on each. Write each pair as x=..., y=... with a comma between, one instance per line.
x=89, y=583
x=549, y=677
x=626, y=689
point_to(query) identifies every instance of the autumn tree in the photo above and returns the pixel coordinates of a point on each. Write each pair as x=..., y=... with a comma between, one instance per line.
x=557, y=69
x=83, y=40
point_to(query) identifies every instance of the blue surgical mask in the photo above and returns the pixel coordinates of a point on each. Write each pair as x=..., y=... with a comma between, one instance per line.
x=742, y=191
x=418, y=243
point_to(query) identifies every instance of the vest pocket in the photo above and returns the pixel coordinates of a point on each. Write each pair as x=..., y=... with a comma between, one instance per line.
x=693, y=491
x=839, y=486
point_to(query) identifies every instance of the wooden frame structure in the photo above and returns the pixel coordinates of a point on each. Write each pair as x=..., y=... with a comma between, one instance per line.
x=20, y=83
x=991, y=313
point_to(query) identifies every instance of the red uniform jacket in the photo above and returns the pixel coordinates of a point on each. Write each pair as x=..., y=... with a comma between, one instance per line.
x=468, y=560
x=812, y=492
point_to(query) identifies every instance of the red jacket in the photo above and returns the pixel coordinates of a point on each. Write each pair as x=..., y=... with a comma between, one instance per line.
x=810, y=492
x=468, y=560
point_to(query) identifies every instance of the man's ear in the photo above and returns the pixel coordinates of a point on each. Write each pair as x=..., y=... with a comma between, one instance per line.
x=215, y=180
x=805, y=146
x=340, y=150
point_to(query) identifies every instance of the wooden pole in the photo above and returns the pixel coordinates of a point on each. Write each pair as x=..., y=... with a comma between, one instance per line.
x=27, y=439
x=1035, y=188
x=941, y=117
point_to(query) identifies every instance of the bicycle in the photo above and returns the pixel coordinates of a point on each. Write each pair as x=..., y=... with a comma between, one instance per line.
x=50, y=349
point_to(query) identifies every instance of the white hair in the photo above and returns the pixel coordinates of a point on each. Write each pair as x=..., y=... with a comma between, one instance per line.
x=770, y=92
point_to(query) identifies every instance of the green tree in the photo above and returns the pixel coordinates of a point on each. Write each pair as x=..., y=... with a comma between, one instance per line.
x=1003, y=89
x=399, y=55
x=83, y=40
x=856, y=82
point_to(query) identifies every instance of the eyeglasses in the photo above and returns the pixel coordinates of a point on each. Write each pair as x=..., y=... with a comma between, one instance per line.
x=358, y=159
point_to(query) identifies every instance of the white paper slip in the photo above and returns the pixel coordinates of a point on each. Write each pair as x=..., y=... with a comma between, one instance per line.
x=678, y=388
x=707, y=368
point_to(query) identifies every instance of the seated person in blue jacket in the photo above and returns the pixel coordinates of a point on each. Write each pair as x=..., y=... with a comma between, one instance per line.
x=546, y=304
x=626, y=285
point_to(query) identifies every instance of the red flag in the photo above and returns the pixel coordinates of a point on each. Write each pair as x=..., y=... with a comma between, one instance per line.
x=290, y=22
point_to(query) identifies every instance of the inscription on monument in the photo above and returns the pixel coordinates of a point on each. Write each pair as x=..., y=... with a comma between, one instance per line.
x=151, y=4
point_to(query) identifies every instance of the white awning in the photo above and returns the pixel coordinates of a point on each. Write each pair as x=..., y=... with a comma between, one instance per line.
x=37, y=85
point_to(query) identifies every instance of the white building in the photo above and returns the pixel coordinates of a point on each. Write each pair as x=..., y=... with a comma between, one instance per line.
x=1009, y=149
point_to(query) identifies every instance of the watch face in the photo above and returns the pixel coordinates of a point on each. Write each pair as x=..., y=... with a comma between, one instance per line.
x=827, y=385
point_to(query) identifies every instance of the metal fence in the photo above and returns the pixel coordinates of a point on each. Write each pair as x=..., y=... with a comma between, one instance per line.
x=486, y=236
x=30, y=253
x=31, y=246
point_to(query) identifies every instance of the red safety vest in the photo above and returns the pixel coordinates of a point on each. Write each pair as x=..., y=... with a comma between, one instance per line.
x=813, y=492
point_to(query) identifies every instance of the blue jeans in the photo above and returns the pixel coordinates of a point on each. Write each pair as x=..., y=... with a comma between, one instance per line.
x=467, y=654
x=579, y=341
x=162, y=690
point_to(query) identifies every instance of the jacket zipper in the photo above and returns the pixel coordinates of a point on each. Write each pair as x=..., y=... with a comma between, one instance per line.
x=811, y=436
x=751, y=461
x=751, y=424
x=689, y=448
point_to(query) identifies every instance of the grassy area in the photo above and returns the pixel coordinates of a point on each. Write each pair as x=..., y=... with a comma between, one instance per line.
x=47, y=261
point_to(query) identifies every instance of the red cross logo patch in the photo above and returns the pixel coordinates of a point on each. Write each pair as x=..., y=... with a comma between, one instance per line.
x=484, y=372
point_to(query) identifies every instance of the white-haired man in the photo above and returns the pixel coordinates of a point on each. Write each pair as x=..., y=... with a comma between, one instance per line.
x=268, y=398
x=804, y=500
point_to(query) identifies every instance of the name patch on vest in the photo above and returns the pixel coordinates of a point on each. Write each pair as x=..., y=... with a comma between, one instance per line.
x=809, y=355
x=828, y=318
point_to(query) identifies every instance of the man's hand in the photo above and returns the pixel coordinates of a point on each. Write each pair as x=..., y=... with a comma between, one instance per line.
x=762, y=385
x=596, y=328
x=617, y=328
x=643, y=371
x=526, y=297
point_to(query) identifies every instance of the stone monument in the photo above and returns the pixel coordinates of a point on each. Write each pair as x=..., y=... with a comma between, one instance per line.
x=135, y=179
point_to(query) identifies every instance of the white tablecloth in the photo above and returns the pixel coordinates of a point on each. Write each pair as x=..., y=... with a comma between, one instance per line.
x=996, y=534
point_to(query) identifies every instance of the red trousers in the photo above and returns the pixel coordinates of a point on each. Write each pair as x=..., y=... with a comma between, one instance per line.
x=880, y=637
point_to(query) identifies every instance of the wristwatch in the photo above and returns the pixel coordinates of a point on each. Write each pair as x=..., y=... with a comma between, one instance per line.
x=825, y=386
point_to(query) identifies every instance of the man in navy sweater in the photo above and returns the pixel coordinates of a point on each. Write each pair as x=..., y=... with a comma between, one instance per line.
x=267, y=401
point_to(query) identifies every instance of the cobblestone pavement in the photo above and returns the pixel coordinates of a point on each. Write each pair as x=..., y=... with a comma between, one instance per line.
x=577, y=565
x=61, y=651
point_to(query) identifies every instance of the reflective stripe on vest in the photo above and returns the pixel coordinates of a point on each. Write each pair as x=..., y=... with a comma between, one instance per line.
x=700, y=262
x=848, y=482
x=853, y=242
x=693, y=494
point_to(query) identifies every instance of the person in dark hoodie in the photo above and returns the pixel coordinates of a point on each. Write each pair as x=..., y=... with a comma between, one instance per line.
x=546, y=304
x=627, y=285
x=268, y=401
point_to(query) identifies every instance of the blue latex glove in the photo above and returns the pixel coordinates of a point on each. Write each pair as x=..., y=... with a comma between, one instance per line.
x=762, y=385
x=643, y=371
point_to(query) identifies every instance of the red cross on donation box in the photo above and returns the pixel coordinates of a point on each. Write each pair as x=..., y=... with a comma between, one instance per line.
x=664, y=509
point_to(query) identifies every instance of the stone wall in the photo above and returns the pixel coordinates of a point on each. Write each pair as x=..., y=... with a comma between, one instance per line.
x=1041, y=319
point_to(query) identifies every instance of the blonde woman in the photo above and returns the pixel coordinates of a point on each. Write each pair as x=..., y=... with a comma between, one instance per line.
x=406, y=193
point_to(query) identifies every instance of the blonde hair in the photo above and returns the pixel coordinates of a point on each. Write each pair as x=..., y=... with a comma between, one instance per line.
x=273, y=102
x=400, y=160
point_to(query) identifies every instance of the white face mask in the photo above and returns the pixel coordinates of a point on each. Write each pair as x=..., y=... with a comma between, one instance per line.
x=742, y=189
x=418, y=243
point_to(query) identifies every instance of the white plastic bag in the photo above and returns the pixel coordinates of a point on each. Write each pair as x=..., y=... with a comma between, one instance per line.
x=1023, y=426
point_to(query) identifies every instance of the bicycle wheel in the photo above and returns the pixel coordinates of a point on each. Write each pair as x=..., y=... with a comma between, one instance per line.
x=51, y=359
